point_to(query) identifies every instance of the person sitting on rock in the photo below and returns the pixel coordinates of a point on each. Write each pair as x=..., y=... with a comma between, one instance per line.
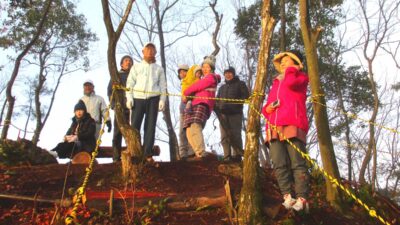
x=80, y=136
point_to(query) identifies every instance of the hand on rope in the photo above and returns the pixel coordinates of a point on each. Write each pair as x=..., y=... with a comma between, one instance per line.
x=333, y=180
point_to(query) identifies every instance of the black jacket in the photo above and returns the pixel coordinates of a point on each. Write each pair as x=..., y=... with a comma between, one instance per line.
x=86, y=131
x=232, y=89
x=123, y=76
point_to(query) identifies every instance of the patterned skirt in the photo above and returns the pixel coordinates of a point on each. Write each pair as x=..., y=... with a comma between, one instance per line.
x=199, y=114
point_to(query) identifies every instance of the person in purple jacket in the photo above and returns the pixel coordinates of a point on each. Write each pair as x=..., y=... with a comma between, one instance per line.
x=286, y=111
x=201, y=107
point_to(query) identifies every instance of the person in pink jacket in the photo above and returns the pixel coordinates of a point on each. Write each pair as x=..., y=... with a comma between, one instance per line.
x=286, y=112
x=200, y=92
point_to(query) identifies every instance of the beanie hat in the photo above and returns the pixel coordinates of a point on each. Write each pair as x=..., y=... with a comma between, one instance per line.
x=197, y=69
x=124, y=57
x=230, y=69
x=294, y=54
x=80, y=106
x=210, y=60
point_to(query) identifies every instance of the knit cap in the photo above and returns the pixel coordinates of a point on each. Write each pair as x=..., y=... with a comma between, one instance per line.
x=80, y=106
x=210, y=60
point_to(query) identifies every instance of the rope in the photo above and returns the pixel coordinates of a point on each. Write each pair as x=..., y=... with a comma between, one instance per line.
x=354, y=116
x=334, y=181
x=7, y=122
x=71, y=217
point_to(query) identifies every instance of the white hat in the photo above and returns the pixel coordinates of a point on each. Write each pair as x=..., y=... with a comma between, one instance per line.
x=149, y=43
x=183, y=67
x=88, y=82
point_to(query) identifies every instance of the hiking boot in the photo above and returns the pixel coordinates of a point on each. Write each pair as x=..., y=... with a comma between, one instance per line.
x=288, y=201
x=300, y=204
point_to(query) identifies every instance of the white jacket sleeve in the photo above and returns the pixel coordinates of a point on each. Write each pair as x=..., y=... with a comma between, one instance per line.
x=130, y=83
x=163, y=85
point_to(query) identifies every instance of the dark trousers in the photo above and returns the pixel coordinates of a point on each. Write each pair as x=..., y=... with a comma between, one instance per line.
x=117, y=137
x=148, y=108
x=290, y=167
x=66, y=149
x=231, y=134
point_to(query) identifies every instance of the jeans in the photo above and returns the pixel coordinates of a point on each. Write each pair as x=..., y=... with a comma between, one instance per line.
x=149, y=108
x=290, y=168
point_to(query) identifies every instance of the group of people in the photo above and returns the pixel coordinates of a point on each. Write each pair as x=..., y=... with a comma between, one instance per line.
x=285, y=110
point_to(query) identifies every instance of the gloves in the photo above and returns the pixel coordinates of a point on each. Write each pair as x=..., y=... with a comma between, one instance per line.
x=129, y=103
x=108, y=123
x=161, y=105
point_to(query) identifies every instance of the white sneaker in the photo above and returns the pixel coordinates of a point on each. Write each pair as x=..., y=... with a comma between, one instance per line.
x=300, y=204
x=288, y=201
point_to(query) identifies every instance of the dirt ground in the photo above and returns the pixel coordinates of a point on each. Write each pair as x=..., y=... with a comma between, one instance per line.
x=154, y=191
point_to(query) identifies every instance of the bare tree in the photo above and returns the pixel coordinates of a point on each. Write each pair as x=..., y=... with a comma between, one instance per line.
x=134, y=152
x=14, y=74
x=373, y=40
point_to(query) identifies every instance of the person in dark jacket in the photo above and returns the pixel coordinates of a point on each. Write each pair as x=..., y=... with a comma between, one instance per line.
x=80, y=136
x=230, y=115
x=126, y=64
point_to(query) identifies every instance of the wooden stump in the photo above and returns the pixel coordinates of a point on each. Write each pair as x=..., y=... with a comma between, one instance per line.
x=81, y=158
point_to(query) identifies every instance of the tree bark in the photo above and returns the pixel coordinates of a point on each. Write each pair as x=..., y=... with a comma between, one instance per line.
x=218, y=20
x=250, y=210
x=17, y=64
x=310, y=38
x=347, y=132
x=38, y=90
x=132, y=136
x=173, y=140
x=282, y=14
x=371, y=151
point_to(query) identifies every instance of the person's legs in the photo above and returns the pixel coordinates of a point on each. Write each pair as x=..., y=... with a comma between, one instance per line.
x=235, y=122
x=117, y=137
x=299, y=168
x=197, y=139
x=223, y=125
x=279, y=157
x=184, y=148
x=150, y=123
x=98, y=127
x=138, y=113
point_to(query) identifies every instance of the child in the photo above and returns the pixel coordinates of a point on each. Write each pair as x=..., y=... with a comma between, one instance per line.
x=194, y=74
x=286, y=111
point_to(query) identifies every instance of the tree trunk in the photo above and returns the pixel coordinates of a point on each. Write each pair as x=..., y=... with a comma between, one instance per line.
x=282, y=14
x=10, y=84
x=132, y=136
x=173, y=140
x=27, y=119
x=250, y=197
x=371, y=142
x=347, y=132
x=38, y=111
x=310, y=38
x=38, y=130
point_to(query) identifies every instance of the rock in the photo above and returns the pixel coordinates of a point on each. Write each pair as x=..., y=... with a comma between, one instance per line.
x=23, y=152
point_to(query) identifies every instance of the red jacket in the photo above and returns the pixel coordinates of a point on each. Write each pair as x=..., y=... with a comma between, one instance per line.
x=291, y=92
x=205, y=87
